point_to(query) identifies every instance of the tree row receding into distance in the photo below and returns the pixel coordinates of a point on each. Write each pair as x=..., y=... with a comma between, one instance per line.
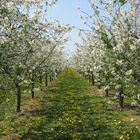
x=110, y=50
x=31, y=46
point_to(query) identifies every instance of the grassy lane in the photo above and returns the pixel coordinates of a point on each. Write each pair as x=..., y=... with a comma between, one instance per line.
x=72, y=111
x=76, y=113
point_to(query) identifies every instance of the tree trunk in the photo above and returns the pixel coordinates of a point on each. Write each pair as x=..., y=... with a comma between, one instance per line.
x=92, y=77
x=32, y=86
x=106, y=93
x=40, y=82
x=50, y=78
x=121, y=98
x=83, y=74
x=46, y=79
x=99, y=86
x=89, y=78
x=18, y=95
x=32, y=89
x=85, y=77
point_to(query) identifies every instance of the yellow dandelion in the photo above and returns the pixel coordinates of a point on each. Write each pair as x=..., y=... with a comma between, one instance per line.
x=121, y=137
x=128, y=135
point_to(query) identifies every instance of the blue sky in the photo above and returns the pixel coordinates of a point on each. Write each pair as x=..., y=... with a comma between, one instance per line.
x=66, y=12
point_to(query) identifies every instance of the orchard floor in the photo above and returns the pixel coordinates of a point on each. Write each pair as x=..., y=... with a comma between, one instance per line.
x=71, y=109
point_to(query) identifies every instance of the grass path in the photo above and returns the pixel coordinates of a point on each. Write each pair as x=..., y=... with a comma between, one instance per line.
x=72, y=111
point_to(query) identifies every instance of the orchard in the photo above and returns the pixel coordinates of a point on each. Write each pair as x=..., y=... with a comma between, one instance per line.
x=49, y=93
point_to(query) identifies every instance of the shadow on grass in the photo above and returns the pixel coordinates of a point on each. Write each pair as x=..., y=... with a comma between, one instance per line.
x=128, y=106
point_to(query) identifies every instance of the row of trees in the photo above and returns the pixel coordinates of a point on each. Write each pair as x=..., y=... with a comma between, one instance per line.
x=110, y=51
x=31, y=47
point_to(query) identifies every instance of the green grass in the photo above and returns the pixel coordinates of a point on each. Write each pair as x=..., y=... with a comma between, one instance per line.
x=71, y=109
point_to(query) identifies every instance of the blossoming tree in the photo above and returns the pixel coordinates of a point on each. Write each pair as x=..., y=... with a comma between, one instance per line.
x=111, y=50
x=28, y=43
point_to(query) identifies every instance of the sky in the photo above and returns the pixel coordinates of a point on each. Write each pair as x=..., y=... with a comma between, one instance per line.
x=66, y=12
